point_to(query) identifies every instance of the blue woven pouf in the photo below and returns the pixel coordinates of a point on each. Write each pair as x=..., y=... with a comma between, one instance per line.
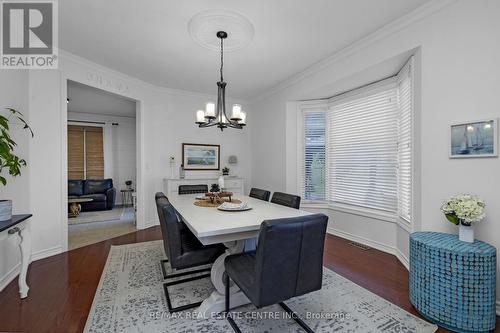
x=453, y=283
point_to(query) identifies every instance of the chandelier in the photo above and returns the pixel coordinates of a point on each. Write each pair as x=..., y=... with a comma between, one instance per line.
x=218, y=117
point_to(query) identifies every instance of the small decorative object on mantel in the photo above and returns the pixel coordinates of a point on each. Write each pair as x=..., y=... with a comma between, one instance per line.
x=172, y=166
x=225, y=171
x=182, y=172
x=214, y=188
x=128, y=183
x=221, y=183
x=464, y=210
x=8, y=159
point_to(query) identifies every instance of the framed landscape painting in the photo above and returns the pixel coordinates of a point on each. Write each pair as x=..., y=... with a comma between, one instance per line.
x=474, y=139
x=200, y=156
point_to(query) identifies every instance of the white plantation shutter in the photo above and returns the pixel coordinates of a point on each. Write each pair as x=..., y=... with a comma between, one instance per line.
x=405, y=143
x=313, y=165
x=362, y=147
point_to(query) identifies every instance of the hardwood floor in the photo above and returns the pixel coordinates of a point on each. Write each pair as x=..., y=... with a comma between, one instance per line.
x=62, y=287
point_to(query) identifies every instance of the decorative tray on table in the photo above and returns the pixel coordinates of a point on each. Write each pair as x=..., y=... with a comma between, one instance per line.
x=215, y=199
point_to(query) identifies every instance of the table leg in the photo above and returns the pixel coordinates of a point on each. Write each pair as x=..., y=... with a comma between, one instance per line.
x=215, y=303
x=25, y=247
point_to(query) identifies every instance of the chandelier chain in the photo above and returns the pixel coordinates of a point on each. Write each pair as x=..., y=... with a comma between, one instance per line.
x=221, y=59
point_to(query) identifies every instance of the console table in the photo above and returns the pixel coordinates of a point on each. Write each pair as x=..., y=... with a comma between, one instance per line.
x=452, y=283
x=18, y=225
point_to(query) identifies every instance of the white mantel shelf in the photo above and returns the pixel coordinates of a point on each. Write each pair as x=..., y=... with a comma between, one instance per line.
x=232, y=184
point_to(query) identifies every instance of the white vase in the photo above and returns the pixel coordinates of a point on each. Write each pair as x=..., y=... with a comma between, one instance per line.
x=466, y=233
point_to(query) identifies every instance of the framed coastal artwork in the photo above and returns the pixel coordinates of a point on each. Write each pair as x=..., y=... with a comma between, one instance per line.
x=200, y=156
x=474, y=139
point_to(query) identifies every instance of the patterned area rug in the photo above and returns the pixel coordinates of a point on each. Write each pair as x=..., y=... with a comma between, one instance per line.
x=130, y=298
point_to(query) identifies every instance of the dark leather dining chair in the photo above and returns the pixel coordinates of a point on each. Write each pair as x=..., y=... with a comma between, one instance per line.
x=183, y=249
x=285, y=199
x=260, y=194
x=192, y=189
x=288, y=262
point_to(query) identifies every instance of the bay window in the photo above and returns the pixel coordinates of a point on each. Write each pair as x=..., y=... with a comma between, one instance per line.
x=357, y=147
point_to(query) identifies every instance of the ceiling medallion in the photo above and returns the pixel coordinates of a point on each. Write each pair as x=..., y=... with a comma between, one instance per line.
x=204, y=26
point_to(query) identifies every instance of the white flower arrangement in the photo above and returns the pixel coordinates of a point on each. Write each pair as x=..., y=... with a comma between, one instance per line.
x=464, y=209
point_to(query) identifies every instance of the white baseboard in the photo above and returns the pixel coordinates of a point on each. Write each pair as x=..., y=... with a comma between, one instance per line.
x=45, y=253
x=150, y=224
x=372, y=243
x=9, y=276
x=355, y=238
x=403, y=259
x=14, y=271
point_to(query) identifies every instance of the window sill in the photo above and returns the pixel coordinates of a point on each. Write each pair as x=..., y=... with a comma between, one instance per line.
x=365, y=212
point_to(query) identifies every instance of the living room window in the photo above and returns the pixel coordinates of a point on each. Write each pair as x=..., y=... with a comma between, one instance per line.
x=85, y=152
x=357, y=147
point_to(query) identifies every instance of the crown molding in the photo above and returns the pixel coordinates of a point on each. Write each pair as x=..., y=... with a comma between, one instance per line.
x=65, y=55
x=399, y=24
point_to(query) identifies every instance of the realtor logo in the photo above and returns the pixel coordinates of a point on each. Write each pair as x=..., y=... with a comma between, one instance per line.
x=29, y=35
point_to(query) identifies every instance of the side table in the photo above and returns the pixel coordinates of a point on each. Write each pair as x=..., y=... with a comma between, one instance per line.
x=19, y=225
x=453, y=283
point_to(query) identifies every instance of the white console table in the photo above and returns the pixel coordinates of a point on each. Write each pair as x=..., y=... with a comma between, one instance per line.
x=18, y=226
x=231, y=184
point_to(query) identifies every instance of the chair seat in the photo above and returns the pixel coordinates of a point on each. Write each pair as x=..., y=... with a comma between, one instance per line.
x=194, y=253
x=241, y=268
x=95, y=197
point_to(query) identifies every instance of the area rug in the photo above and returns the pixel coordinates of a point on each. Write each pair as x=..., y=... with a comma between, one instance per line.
x=114, y=214
x=130, y=298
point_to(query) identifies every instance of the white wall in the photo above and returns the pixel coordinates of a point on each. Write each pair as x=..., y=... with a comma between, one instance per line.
x=119, y=143
x=14, y=93
x=165, y=119
x=460, y=80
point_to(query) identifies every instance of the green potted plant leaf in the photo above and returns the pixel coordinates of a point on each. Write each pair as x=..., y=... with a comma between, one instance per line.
x=8, y=160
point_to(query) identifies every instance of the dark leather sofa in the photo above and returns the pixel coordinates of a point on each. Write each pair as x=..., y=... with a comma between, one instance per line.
x=101, y=191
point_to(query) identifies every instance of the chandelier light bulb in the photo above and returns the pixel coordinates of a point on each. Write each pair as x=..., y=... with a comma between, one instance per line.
x=236, y=114
x=210, y=110
x=243, y=118
x=200, y=117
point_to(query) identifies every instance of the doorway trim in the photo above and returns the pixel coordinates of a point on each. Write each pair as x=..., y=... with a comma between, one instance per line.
x=141, y=207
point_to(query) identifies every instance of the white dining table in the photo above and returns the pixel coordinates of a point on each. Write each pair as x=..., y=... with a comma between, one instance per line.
x=237, y=230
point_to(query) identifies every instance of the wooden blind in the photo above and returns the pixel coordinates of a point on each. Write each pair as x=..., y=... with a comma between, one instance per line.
x=76, y=151
x=94, y=153
x=85, y=152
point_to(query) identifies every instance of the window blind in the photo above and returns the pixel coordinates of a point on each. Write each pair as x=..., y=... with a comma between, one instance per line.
x=405, y=121
x=76, y=152
x=85, y=152
x=314, y=155
x=362, y=147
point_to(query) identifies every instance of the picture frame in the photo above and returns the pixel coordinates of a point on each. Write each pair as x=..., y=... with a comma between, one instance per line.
x=198, y=157
x=474, y=139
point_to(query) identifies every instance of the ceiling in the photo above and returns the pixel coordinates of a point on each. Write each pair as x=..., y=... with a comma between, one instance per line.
x=150, y=40
x=86, y=99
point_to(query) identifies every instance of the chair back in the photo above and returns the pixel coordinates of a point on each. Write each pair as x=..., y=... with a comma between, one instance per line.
x=260, y=194
x=169, y=226
x=285, y=199
x=192, y=189
x=289, y=258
